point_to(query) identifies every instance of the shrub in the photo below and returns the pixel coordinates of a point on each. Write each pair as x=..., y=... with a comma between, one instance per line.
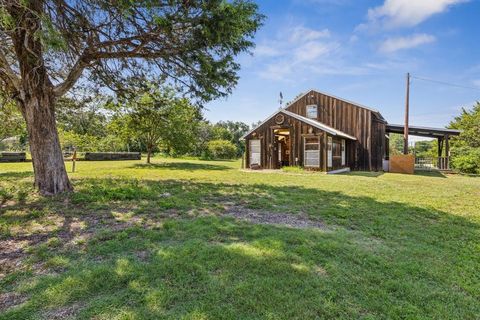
x=221, y=149
x=467, y=160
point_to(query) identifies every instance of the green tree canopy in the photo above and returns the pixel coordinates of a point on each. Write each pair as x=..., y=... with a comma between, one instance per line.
x=52, y=46
x=465, y=149
x=11, y=121
x=158, y=118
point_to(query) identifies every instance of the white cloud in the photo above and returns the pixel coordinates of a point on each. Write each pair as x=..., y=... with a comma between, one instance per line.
x=294, y=49
x=276, y=71
x=406, y=13
x=408, y=42
x=301, y=33
x=266, y=51
x=312, y=51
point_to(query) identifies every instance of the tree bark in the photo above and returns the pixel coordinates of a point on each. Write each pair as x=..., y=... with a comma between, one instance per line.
x=149, y=153
x=48, y=165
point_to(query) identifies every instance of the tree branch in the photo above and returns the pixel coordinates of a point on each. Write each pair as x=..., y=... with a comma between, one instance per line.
x=72, y=77
x=7, y=74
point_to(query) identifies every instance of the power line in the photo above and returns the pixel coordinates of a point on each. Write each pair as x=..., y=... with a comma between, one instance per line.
x=446, y=83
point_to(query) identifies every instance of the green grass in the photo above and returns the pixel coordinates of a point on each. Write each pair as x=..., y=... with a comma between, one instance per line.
x=139, y=241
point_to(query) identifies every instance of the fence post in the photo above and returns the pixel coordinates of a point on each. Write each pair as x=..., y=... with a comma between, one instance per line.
x=74, y=157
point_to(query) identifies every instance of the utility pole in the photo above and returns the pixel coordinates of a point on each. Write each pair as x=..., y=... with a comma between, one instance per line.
x=407, y=106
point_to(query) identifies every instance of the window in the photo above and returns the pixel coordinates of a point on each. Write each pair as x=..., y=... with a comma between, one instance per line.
x=329, y=152
x=343, y=152
x=255, y=151
x=312, y=111
x=337, y=151
x=311, y=152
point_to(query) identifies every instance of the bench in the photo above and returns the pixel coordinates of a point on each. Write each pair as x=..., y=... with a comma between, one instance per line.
x=110, y=156
x=13, y=157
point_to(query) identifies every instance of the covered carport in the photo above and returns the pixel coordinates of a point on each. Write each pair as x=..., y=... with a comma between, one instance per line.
x=442, y=135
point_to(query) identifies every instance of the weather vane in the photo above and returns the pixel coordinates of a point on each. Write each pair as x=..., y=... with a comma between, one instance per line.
x=281, y=99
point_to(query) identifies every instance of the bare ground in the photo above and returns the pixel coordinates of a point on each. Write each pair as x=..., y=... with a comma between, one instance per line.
x=299, y=221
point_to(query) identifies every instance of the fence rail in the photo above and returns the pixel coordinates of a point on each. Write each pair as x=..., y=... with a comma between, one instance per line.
x=434, y=163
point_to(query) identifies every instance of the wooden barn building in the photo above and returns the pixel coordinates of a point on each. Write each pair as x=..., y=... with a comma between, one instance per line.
x=322, y=132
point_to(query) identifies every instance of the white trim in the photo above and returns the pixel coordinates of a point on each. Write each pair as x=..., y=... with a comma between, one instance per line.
x=270, y=117
x=329, y=152
x=253, y=160
x=319, y=125
x=343, y=152
x=316, y=111
x=311, y=122
x=305, y=152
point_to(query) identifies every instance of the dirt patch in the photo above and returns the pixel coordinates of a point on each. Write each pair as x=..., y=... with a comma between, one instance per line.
x=67, y=312
x=299, y=221
x=142, y=255
x=11, y=255
x=11, y=299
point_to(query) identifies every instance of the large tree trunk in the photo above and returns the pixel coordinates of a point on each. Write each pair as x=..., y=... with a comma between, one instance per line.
x=36, y=99
x=48, y=165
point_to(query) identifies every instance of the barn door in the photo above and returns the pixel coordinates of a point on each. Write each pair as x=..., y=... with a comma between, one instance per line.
x=255, y=151
x=311, y=152
x=329, y=153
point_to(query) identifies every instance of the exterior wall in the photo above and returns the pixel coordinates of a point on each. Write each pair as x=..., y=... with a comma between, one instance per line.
x=402, y=164
x=298, y=130
x=368, y=151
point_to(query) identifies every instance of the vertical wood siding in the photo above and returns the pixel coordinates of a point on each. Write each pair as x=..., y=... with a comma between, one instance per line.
x=367, y=152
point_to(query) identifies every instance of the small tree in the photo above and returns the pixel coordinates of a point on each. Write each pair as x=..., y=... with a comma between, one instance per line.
x=157, y=117
x=236, y=130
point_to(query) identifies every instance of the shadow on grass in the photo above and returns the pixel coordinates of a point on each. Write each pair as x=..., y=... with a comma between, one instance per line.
x=368, y=174
x=428, y=173
x=186, y=166
x=16, y=174
x=161, y=249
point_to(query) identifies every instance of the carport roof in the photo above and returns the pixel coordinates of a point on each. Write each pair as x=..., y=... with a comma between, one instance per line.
x=422, y=131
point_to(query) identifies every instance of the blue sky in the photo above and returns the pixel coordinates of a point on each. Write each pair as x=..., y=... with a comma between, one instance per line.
x=361, y=51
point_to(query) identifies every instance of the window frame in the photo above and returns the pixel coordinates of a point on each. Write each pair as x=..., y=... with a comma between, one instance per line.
x=329, y=152
x=251, y=153
x=315, y=152
x=309, y=106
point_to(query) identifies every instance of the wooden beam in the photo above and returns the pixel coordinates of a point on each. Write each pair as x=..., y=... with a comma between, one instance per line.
x=440, y=147
x=387, y=147
x=407, y=107
x=447, y=152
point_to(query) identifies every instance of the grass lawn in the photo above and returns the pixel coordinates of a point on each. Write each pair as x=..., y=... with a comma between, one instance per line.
x=187, y=239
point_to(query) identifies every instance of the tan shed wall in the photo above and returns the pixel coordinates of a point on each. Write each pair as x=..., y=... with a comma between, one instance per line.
x=402, y=164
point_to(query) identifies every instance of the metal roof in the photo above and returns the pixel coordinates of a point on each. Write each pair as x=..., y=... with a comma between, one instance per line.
x=306, y=120
x=422, y=131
